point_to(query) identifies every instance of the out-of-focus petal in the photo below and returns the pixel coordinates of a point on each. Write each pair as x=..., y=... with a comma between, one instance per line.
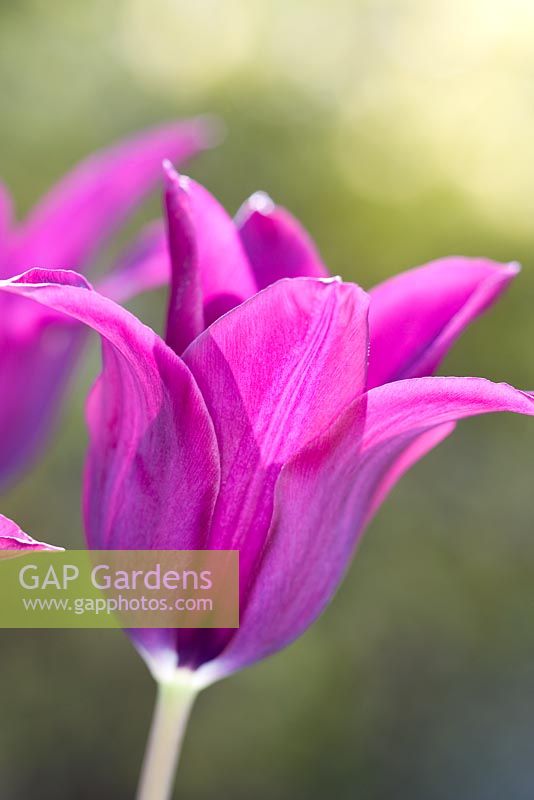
x=13, y=538
x=153, y=470
x=38, y=350
x=274, y=372
x=144, y=266
x=276, y=244
x=72, y=220
x=326, y=494
x=210, y=271
x=416, y=316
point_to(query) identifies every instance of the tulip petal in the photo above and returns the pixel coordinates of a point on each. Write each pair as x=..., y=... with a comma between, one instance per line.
x=210, y=271
x=70, y=222
x=307, y=549
x=38, y=350
x=276, y=244
x=153, y=471
x=274, y=372
x=65, y=229
x=13, y=538
x=416, y=316
x=326, y=494
x=416, y=405
x=143, y=267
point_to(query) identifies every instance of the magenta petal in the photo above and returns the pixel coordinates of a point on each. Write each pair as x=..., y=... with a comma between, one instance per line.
x=152, y=473
x=210, y=272
x=274, y=372
x=326, y=494
x=71, y=222
x=416, y=316
x=38, y=351
x=414, y=406
x=13, y=538
x=317, y=514
x=143, y=267
x=276, y=244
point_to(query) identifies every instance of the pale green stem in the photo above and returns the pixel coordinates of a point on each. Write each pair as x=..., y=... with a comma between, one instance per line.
x=173, y=706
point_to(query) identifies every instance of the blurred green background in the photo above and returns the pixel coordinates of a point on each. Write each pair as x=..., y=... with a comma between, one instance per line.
x=398, y=132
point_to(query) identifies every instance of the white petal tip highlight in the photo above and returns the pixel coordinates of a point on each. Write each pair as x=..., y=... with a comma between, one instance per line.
x=333, y=279
x=261, y=203
x=513, y=268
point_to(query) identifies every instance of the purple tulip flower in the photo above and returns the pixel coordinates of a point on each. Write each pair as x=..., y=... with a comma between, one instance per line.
x=39, y=348
x=274, y=418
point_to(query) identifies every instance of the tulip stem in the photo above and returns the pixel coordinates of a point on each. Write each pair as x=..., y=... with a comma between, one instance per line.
x=173, y=706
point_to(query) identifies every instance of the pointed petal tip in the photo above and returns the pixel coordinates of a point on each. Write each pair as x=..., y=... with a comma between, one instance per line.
x=510, y=268
x=76, y=217
x=174, y=180
x=12, y=537
x=261, y=202
x=417, y=315
x=49, y=547
x=170, y=173
x=513, y=268
x=275, y=242
x=258, y=203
